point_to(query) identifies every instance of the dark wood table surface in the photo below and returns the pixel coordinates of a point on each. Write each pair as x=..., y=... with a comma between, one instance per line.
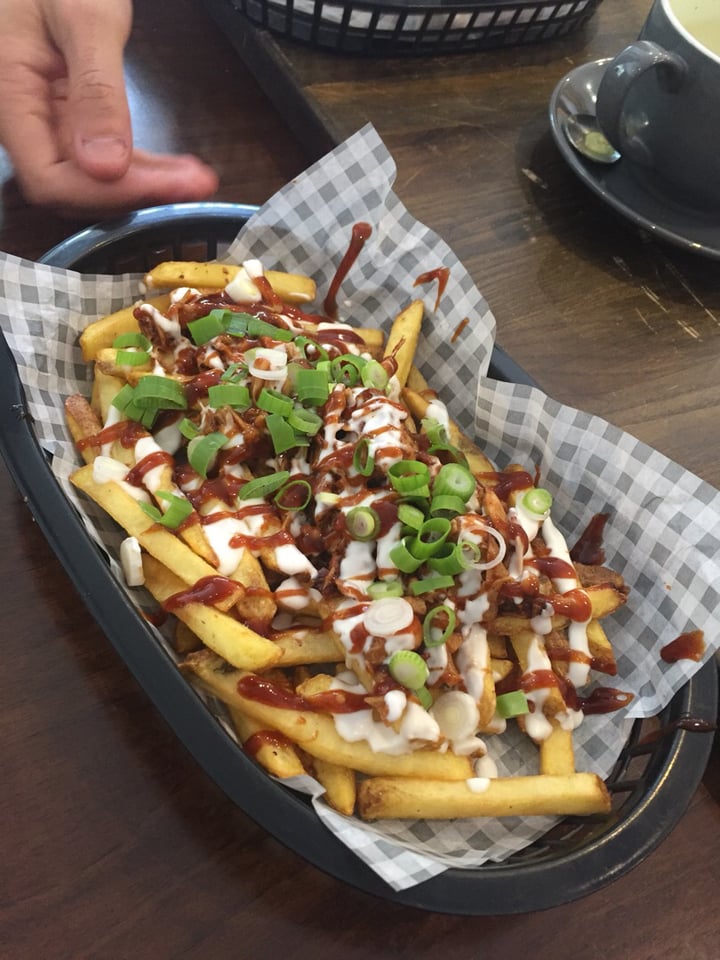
x=115, y=844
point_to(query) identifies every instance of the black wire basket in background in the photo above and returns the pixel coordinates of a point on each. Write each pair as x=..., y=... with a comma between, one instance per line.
x=387, y=27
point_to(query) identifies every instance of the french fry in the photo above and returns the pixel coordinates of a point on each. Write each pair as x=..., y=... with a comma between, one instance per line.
x=290, y=287
x=403, y=798
x=419, y=405
x=340, y=785
x=557, y=757
x=82, y=422
x=227, y=637
x=307, y=645
x=101, y=334
x=271, y=750
x=402, y=341
x=316, y=733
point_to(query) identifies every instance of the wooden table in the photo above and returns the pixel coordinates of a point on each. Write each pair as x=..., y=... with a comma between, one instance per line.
x=115, y=844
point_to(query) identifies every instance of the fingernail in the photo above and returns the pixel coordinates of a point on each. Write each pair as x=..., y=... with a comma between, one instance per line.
x=104, y=149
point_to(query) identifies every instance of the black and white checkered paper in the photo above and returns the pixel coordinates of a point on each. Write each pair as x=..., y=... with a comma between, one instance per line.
x=664, y=527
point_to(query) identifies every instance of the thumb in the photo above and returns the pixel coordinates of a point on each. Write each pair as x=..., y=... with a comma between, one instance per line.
x=92, y=39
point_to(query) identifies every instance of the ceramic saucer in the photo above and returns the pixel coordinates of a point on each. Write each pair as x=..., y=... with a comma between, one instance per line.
x=629, y=193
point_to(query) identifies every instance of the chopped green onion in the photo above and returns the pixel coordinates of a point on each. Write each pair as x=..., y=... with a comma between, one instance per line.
x=537, y=501
x=236, y=371
x=260, y=487
x=430, y=537
x=206, y=328
x=132, y=339
x=229, y=395
x=512, y=704
x=363, y=460
x=274, y=402
x=281, y=433
x=258, y=327
x=312, y=386
x=429, y=584
x=132, y=358
x=454, y=480
x=434, y=633
x=179, y=509
x=411, y=516
x=409, y=669
x=446, y=505
x=436, y=432
x=346, y=369
x=408, y=476
x=453, y=558
x=424, y=696
x=311, y=350
x=402, y=558
x=161, y=393
x=363, y=523
x=385, y=588
x=123, y=399
x=236, y=322
x=306, y=421
x=188, y=429
x=202, y=450
x=374, y=375
x=295, y=495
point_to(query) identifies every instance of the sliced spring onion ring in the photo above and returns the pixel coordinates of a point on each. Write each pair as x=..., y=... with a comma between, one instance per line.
x=434, y=632
x=306, y=421
x=236, y=323
x=441, y=581
x=409, y=476
x=260, y=487
x=403, y=559
x=387, y=616
x=409, y=669
x=236, y=371
x=132, y=358
x=537, y=501
x=410, y=516
x=424, y=696
x=273, y=401
x=161, y=393
x=188, y=429
x=204, y=329
x=385, y=588
x=363, y=460
x=374, y=375
x=312, y=386
x=363, y=523
x=295, y=495
x=446, y=505
x=512, y=704
x=454, y=558
x=202, y=450
x=281, y=433
x=257, y=327
x=346, y=369
x=132, y=339
x=229, y=395
x=430, y=537
x=456, y=714
x=454, y=480
x=499, y=557
x=311, y=350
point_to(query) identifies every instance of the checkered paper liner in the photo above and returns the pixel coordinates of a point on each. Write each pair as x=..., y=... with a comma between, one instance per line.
x=664, y=527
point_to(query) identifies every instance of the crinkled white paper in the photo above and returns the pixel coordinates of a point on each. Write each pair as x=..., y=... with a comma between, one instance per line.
x=664, y=529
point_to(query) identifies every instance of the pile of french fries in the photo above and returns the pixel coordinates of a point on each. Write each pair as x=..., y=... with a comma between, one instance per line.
x=341, y=566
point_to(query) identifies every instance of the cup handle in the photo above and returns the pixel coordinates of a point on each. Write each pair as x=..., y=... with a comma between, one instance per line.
x=620, y=75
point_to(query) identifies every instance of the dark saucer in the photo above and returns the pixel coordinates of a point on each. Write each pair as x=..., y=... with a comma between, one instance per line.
x=640, y=200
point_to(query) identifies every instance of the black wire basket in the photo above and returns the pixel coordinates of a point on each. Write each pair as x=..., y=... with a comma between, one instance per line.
x=387, y=27
x=651, y=785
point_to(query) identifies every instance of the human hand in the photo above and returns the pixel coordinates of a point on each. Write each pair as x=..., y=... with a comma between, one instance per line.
x=64, y=117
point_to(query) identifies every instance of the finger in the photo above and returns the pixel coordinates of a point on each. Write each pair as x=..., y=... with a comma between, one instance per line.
x=92, y=38
x=150, y=179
